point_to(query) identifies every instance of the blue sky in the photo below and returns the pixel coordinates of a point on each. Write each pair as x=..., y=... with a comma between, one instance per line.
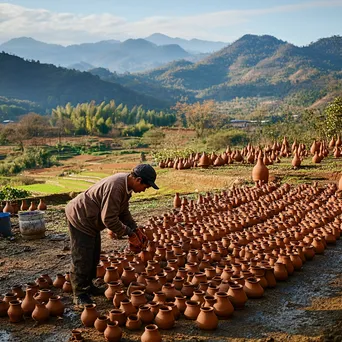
x=77, y=21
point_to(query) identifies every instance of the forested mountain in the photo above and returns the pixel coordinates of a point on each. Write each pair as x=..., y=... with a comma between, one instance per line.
x=259, y=66
x=131, y=55
x=49, y=86
x=191, y=45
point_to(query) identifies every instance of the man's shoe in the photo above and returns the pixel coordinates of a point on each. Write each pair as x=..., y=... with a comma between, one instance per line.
x=96, y=290
x=82, y=300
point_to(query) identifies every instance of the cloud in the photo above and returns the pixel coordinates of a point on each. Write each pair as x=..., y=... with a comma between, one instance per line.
x=69, y=28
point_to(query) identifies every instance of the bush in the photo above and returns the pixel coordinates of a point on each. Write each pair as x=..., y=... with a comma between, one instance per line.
x=232, y=137
x=9, y=193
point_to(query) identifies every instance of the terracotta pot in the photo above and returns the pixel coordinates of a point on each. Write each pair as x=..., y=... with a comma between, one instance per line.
x=177, y=201
x=41, y=313
x=24, y=206
x=260, y=171
x=151, y=334
x=138, y=298
x=133, y=322
x=145, y=314
x=117, y=315
x=280, y=271
x=192, y=309
x=113, y=287
x=237, y=296
x=33, y=206
x=152, y=285
x=128, y=276
x=18, y=291
x=223, y=307
x=187, y=289
x=42, y=283
x=309, y=252
x=33, y=286
x=67, y=288
x=175, y=311
x=198, y=296
x=170, y=291
x=207, y=319
x=165, y=318
x=118, y=298
x=9, y=297
x=127, y=307
x=112, y=275
x=55, y=306
x=89, y=315
x=3, y=308
x=180, y=302
x=318, y=245
x=29, y=303
x=59, y=281
x=253, y=288
x=101, y=323
x=42, y=205
x=15, y=312
x=269, y=275
x=113, y=332
x=154, y=307
x=100, y=271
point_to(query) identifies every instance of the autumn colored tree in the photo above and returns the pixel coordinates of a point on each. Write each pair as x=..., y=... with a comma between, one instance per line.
x=334, y=117
x=198, y=116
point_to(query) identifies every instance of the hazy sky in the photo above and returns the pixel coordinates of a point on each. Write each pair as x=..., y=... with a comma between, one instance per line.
x=77, y=21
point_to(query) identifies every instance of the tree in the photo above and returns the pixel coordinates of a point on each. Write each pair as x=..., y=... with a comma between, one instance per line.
x=198, y=115
x=333, y=120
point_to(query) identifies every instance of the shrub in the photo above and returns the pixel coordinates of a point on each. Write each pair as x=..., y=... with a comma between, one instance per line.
x=221, y=139
x=9, y=193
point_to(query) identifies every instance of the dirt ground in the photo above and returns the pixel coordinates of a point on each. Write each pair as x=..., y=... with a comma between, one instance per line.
x=308, y=307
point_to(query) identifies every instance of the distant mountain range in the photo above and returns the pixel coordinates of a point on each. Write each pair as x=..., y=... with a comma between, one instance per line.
x=192, y=45
x=132, y=55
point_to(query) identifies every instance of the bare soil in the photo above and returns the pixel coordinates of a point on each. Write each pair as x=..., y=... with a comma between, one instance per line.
x=308, y=307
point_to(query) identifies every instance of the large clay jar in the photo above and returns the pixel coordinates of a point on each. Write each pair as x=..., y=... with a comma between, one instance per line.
x=128, y=276
x=165, y=318
x=133, y=322
x=138, y=298
x=280, y=271
x=111, y=275
x=55, y=306
x=253, y=288
x=237, y=296
x=101, y=323
x=113, y=332
x=260, y=171
x=192, y=309
x=89, y=315
x=117, y=315
x=29, y=303
x=15, y=312
x=41, y=313
x=223, y=307
x=177, y=201
x=145, y=314
x=207, y=319
x=151, y=334
x=59, y=281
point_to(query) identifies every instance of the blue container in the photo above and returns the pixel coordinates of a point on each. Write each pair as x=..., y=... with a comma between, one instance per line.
x=5, y=224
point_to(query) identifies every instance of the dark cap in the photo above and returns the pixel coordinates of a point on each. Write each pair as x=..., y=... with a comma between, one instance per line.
x=147, y=174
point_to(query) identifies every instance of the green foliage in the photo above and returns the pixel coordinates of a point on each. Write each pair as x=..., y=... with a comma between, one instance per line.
x=153, y=137
x=9, y=193
x=334, y=117
x=137, y=130
x=222, y=138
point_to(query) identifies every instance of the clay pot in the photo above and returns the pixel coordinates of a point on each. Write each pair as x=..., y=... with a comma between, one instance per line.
x=260, y=171
x=8, y=208
x=170, y=291
x=207, y=319
x=117, y=315
x=159, y=297
x=318, y=245
x=269, y=275
x=42, y=283
x=59, y=281
x=113, y=332
x=100, y=271
x=3, y=308
x=152, y=285
x=55, y=306
x=112, y=275
x=43, y=295
x=145, y=314
x=101, y=323
x=177, y=201
x=128, y=276
x=42, y=205
x=33, y=206
x=280, y=271
x=180, y=302
x=119, y=296
x=89, y=315
x=138, y=298
x=151, y=334
x=133, y=322
x=198, y=296
x=24, y=206
x=67, y=288
x=223, y=307
x=33, y=286
x=41, y=313
x=237, y=296
x=127, y=307
x=175, y=311
x=113, y=287
x=9, y=297
x=29, y=303
x=187, y=289
x=154, y=308
x=253, y=288
x=192, y=309
x=165, y=318
x=76, y=335
x=15, y=312
x=309, y=252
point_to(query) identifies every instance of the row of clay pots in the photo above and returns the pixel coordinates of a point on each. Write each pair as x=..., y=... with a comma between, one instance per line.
x=13, y=207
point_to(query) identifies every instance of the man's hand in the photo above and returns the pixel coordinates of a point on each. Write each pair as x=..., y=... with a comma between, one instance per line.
x=137, y=241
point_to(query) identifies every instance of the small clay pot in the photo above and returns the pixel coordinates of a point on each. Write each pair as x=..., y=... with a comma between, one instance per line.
x=41, y=313
x=101, y=323
x=151, y=334
x=117, y=315
x=127, y=307
x=59, y=281
x=192, y=309
x=67, y=288
x=55, y=306
x=113, y=332
x=29, y=303
x=138, y=298
x=15, y=312
x=223, y=307
x=3, y=308
x=18, y=291
x=145, y=314
x=207, y=319
x=89, y=315
x=165, y=318
x=133, y=322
